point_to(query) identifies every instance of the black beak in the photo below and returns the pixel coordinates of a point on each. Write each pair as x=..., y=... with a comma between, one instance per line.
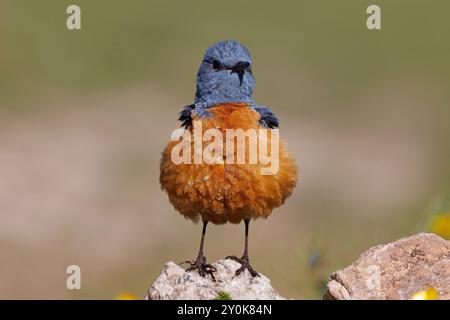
x=240, y=69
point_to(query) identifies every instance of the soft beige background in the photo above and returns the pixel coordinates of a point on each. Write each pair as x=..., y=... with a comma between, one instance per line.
x=85, y=114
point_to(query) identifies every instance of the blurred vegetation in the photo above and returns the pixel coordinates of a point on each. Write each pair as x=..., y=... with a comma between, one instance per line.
x=163, y=40
x=428, y=294
x=345, y=96
x=127, y=296
x=222, y=295
x=437, y=216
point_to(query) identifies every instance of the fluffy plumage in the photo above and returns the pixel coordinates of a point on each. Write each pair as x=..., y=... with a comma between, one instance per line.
x=222, y=193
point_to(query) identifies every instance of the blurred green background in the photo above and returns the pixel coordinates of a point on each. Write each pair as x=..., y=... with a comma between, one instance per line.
x=85, y=114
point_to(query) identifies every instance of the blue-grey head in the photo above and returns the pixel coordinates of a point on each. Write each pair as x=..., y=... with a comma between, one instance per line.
x=225, y=75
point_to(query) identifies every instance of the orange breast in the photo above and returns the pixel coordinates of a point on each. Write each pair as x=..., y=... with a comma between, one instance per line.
x=224, y=192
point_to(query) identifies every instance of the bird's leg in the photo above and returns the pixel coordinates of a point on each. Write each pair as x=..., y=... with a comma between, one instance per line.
x=200, y=263
x=244, y=260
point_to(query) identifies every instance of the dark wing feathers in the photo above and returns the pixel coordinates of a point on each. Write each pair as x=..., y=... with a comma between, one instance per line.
x=185, y=116
x=267, y=117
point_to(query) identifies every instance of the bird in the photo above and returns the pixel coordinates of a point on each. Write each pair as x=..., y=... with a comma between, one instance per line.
x=223, y=192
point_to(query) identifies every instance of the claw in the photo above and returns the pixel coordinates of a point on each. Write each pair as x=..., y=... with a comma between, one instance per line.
x=245, y=264
x=234, y=258
x=201, y=266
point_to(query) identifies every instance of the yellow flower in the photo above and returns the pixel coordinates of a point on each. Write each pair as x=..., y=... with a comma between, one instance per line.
x=127, y=296
x=429, y=294
x=441, y=225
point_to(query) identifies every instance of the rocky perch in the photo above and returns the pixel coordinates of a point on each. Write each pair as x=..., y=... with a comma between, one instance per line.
x=174, y=283
x=396, y=270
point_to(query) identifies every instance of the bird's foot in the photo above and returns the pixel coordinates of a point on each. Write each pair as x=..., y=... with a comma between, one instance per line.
x=201, y=266
x=245, y=264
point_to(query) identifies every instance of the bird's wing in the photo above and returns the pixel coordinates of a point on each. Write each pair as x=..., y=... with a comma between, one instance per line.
x=196, y=110
x=267, y=117
x=185, y=116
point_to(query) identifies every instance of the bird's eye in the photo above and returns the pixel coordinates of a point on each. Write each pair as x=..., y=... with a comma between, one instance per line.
x=216, y=65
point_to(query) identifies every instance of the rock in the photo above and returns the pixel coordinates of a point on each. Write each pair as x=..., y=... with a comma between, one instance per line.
x=396, y=270
x=174, y=283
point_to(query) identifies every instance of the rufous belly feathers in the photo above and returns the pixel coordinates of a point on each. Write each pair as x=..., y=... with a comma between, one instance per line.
x=221, y=193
